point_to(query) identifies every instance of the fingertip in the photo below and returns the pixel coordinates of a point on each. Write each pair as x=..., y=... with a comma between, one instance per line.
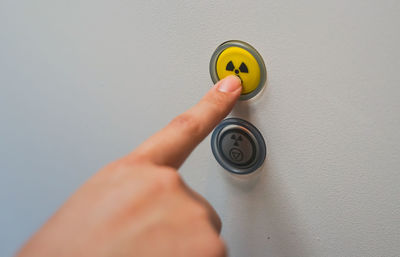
x=230, y=84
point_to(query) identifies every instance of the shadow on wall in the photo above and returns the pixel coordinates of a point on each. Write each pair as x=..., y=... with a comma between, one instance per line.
x=269, y=225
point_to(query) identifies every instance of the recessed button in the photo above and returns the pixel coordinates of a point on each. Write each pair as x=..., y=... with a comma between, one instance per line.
x=238, y=146
x=240, y=59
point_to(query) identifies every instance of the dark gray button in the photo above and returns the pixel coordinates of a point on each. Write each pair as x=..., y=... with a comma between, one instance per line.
x=238, y=146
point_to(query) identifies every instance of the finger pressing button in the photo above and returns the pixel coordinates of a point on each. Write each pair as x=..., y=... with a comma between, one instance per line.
x=240, y=59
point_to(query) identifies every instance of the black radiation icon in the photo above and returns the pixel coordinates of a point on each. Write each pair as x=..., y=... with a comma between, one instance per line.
x=236, y=139
x=242, y=68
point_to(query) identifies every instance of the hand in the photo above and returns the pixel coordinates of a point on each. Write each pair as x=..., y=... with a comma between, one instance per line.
x=139, y=205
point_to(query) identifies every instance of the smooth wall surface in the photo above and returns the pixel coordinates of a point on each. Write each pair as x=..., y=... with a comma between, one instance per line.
x=84, y=82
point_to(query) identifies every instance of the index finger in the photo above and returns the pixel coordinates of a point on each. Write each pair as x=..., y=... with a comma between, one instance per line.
x=172, y=145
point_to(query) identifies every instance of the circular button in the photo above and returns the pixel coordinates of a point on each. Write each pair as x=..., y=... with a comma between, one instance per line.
x=240, y=59
x=236, y=60
x=238, y=146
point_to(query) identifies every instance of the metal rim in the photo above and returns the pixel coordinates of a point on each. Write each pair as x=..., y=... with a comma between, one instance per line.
x=252, y=51
x=261, y=150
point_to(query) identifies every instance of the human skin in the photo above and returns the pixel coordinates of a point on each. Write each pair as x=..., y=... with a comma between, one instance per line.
x=139, y=205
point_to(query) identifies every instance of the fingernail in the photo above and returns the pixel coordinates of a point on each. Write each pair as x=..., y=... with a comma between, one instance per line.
x=230, y=84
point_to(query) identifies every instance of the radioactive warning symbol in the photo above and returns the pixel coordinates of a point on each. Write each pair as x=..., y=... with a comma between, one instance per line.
x=238, y=61
x=236, y=139
x=242, y=68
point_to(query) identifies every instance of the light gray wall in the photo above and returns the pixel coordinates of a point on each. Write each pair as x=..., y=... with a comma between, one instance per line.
x=83, y=82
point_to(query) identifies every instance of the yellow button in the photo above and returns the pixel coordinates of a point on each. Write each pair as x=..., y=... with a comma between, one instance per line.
x=238, y=58
x=238, y=61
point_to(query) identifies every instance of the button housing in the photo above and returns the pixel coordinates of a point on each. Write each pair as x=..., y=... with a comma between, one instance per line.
x=239, y=58
x=238, y=146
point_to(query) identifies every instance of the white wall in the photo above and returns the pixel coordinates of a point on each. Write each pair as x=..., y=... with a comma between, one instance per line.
x=83, y=82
